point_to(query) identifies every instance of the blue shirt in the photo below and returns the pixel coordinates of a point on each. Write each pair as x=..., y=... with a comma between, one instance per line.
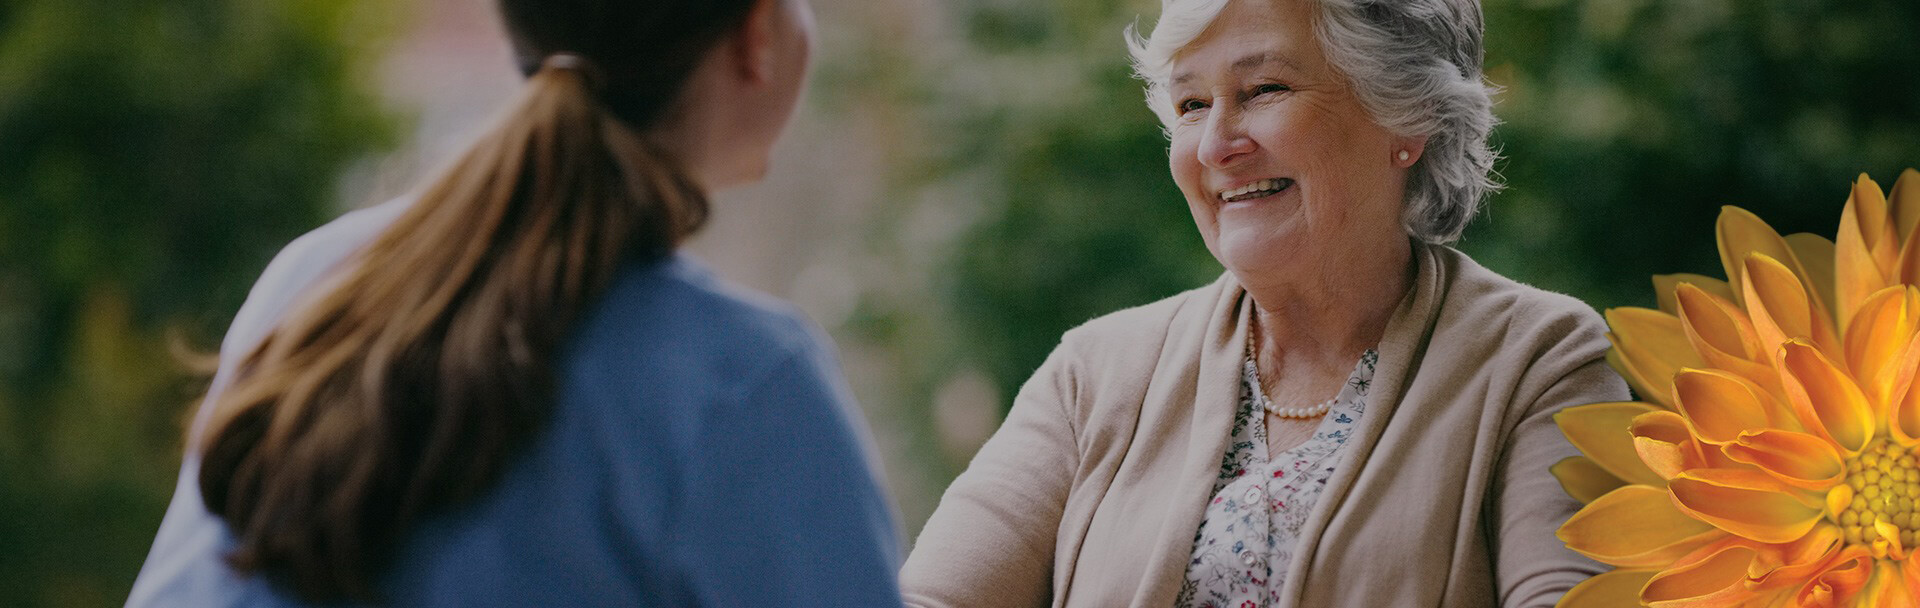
x=701, y=451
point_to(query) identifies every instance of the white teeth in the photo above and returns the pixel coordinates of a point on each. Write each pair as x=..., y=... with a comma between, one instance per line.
x=1265, y=185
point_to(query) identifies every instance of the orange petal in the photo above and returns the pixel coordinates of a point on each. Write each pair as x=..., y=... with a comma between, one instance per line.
x=1886, y=544
x=1608, y=590
x=1724, y=337
x=1881, y=329
x=1749, y=504
x=1886, y=590
x=1640, y=388
x=1908, y=270
x=1603, y=431
x=1839, y=582
x=1665, y=443
x=1713, y=323
x=1897, y=413
x=1654, y=346
x=1896, y=394
x=1584, y=480
x=1910, y=574
x=1635, y=526
x=1838, y=499
x=1714, y=458
x=1816, y=259
x=1791, y=564
x=1801, y=460
x=1903, y=203
x=1664, y=284
x=1876, y=222
x=1739, y=232
x=1720, y=405
x=1827, y=401
x=1864, y=250
x=1903, y=422
x=1903, y=409
x=1716, y=581
x=1780, y=308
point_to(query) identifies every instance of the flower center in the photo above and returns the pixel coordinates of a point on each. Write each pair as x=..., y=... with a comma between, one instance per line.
x=1886, y=485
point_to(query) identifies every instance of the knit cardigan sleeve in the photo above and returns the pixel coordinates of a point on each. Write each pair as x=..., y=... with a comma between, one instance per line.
x=1531, y=571
x=991, y=542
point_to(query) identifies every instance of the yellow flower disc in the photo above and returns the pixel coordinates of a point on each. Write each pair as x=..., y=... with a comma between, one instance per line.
x=1885, y=479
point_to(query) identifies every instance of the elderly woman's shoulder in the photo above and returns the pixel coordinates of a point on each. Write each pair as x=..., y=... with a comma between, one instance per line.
x=1480, y=299
x=1550, y=349
x=1140, y=331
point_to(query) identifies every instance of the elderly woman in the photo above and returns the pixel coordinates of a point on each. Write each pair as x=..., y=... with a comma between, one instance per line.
x=1354, y=414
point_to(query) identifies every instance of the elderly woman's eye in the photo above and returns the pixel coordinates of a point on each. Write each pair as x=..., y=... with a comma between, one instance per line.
x=1190, y=105
x=1270, y=88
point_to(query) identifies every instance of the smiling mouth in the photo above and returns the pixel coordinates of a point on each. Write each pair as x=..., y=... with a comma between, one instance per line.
x=1258, y=189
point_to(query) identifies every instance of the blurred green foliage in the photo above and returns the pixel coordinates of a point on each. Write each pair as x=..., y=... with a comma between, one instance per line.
x=1628, y=123
x=153, y=155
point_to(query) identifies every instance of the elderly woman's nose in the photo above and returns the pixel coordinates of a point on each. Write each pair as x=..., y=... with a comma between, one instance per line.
x=1224, y=140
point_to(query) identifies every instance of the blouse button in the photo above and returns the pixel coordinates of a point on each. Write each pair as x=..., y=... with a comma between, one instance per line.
x=1250, y=558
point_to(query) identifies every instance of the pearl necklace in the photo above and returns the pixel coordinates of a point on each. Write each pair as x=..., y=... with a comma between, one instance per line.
x=1260, y=391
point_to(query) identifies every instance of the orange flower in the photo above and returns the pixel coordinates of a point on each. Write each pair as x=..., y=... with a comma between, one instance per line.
x=1775, y=457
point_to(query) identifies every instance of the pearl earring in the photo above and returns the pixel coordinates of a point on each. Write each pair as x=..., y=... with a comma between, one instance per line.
x=1403, y=156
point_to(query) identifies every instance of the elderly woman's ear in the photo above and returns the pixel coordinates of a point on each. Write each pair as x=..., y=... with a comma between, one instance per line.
x=1407, y=150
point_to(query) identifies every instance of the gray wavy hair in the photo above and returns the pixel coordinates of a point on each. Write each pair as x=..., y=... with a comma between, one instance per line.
x=1415, y=67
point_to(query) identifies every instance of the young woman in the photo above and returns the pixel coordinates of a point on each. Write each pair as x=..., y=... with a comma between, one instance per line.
x=510, y=390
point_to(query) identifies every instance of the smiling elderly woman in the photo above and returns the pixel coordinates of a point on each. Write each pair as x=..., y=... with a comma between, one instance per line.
x=1354, y=414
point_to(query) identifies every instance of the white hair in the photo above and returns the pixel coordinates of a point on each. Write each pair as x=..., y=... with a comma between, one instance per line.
x=1415, y=67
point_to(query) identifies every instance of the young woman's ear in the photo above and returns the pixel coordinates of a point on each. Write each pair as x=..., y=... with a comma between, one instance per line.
x=752, y=45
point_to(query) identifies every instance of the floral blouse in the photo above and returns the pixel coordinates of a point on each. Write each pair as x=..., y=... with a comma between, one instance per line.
x=1259, y=504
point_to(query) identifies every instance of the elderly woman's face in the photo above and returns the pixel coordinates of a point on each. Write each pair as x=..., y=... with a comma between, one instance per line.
x=1280, y=164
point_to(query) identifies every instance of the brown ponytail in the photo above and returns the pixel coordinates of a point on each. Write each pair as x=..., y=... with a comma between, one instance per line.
x=408, y=383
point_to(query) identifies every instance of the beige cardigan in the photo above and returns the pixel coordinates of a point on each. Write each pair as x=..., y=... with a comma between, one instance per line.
x=1092, y=489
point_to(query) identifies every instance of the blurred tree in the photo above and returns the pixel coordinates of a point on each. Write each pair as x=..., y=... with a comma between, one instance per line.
x=1628, y=124
x=1043, y=154
x=1076, y=215
x=152, y=156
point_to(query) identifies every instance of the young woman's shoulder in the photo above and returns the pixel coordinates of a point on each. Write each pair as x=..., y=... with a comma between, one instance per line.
x=676, y=308
x=302, y=264
x=670, y=331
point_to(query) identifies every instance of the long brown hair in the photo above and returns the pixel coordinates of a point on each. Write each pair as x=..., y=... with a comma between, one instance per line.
x=421, y=368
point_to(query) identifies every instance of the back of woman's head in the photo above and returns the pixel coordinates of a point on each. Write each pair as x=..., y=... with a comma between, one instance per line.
x=419, y=369
x=643, y=50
